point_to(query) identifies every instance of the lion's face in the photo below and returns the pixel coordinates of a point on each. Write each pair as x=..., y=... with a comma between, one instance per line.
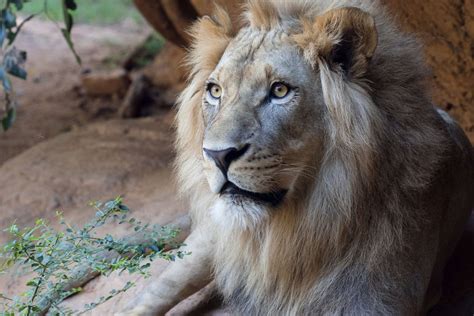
x=263, y=113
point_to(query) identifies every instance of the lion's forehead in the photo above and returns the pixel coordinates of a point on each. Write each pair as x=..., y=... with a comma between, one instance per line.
x=252, y=47
x=255, y=59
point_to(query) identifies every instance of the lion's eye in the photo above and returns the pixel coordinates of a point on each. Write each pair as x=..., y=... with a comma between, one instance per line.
x=215, y=91
x=279, y=90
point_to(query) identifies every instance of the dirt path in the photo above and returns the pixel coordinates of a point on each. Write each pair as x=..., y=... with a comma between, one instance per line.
x=51, y=101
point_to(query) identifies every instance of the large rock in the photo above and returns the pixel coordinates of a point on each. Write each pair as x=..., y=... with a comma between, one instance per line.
x=158, y=85
x=447, y=30
x=106, y=83
x=100, y=161
x=167, y=72
x=168, y=17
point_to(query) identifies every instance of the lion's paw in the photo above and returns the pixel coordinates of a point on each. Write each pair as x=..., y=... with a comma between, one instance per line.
x=136, y=311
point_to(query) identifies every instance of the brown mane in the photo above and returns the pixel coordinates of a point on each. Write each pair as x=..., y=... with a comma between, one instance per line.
x=355, y=211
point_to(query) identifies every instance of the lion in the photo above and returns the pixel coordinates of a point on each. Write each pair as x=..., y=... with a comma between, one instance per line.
x=321, y=178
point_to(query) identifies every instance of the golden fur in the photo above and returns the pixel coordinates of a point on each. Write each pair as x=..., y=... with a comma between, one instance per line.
x=366, y=160
x=326, y=231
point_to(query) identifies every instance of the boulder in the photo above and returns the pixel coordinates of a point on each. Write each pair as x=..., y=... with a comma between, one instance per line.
x=106, y=83
x=167, y=72
x=157, y=86
x=446, y=28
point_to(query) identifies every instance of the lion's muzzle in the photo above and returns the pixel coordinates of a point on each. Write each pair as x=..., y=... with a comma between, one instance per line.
x=223, y=158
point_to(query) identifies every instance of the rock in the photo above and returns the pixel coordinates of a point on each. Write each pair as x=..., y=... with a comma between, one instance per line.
x=106, y=83
x=157, y=86
x=167, y=70
x=136, y=97
x=172, y=18
x=168, y=18
x=180, y=13
x=447, y=29
x=167, y=78
x=96, y=162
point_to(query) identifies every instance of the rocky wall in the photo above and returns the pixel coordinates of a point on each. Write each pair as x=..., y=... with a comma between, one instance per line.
x=446, y=28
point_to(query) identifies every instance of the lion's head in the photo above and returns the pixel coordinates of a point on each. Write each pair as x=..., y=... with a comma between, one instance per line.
x=268, y=105
x=263, y=126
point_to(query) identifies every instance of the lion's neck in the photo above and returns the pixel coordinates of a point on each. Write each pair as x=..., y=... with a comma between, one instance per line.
x=290, y=251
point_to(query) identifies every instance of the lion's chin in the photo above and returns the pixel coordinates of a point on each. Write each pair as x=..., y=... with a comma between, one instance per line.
x=237, y=208
x=239, y=196
x=238, y=213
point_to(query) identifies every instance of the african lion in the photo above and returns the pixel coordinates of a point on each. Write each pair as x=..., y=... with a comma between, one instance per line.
x=321, y=178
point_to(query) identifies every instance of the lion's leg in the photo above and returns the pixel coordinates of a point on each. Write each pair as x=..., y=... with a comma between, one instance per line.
x=202, y=302
x=181, y=279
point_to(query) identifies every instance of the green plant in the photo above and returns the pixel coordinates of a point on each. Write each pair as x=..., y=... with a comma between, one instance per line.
x=62, y=261
x=152, y=45
x=98, y=12
x=14, y=59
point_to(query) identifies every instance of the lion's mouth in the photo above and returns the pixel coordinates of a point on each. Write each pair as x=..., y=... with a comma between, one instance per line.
x=272, y=198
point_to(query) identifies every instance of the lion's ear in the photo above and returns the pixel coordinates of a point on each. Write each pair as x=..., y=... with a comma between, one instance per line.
x=210, y=35
x=345, y=38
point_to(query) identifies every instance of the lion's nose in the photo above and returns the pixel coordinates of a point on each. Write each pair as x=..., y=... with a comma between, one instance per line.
x=223, y=158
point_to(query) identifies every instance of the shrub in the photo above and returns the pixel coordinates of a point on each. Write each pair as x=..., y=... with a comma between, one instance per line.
x=14, y=59
x=60, y=262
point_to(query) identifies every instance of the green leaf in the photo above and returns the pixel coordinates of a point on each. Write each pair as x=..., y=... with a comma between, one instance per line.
x=7, y=86
x=35, y=308
x=68, y=19
x=123, y=208
x=13, y=229
x=67, y=37
x=18, y=4
x=2, y=33
x=9, y=19
x=8, y=120
x=70, y=4
x=12, y=62
x=17, y=71
x=32, y=283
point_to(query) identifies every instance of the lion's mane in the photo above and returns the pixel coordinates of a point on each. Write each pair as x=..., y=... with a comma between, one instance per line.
x=357, y=209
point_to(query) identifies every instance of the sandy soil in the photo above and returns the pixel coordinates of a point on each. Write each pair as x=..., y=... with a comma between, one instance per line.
x=51, y=101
